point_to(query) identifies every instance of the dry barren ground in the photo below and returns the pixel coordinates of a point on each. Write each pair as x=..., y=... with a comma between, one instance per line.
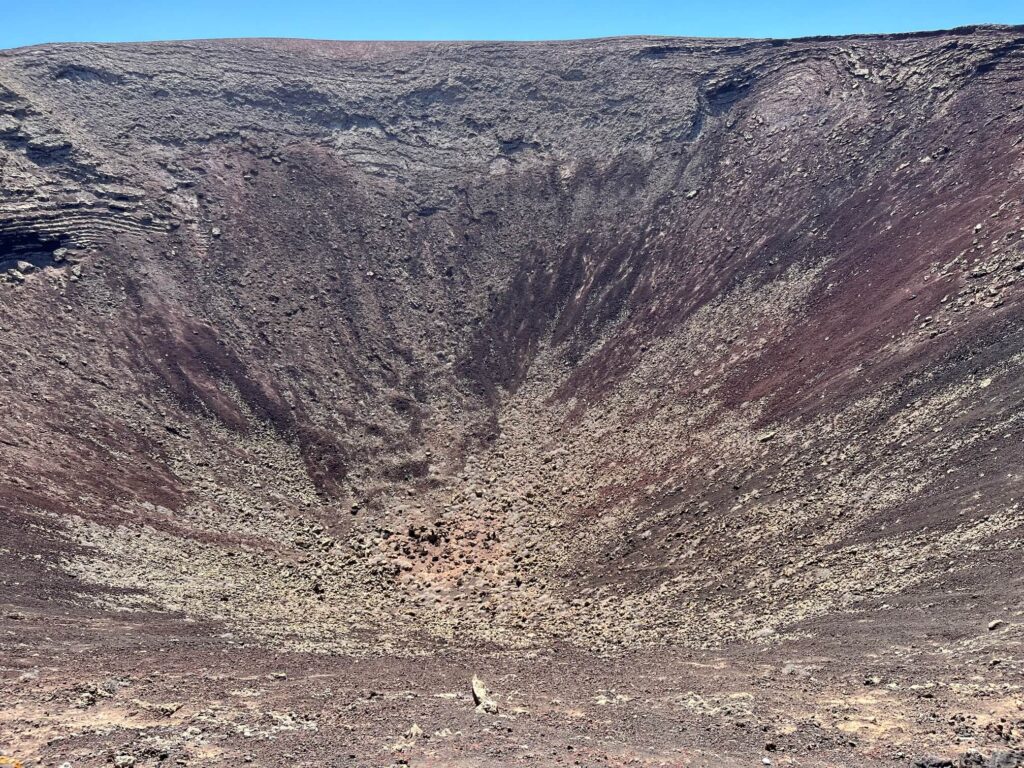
x=670, y=389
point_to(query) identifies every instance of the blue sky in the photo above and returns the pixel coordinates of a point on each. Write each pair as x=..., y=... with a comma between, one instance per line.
x=24, y=22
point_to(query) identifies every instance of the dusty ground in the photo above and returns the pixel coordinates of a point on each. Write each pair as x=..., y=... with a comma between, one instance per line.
x=671, y=387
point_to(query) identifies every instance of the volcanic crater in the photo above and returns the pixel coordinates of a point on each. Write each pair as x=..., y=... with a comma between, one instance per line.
x=624, y=402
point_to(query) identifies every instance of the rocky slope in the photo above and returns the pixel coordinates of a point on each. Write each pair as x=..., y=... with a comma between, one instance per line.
x=673, y=386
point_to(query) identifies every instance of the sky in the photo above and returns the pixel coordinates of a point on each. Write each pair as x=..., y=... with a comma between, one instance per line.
x=26, y=22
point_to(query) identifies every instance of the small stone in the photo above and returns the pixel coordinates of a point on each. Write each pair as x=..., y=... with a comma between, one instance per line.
x=995, y=624
x=482, y=697
x=24, y=267
x=215, y=232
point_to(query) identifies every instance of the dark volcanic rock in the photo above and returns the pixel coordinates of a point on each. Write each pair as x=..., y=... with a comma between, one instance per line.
x=634, y=374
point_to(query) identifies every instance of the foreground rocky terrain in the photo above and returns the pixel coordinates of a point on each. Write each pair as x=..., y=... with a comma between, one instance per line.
x=669, y=388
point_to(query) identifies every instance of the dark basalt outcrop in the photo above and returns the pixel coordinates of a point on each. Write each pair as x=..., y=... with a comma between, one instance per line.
x=673, y=385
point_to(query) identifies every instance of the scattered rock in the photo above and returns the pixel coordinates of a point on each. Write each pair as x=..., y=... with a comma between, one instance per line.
x=1013, y=758
x=482, y=697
